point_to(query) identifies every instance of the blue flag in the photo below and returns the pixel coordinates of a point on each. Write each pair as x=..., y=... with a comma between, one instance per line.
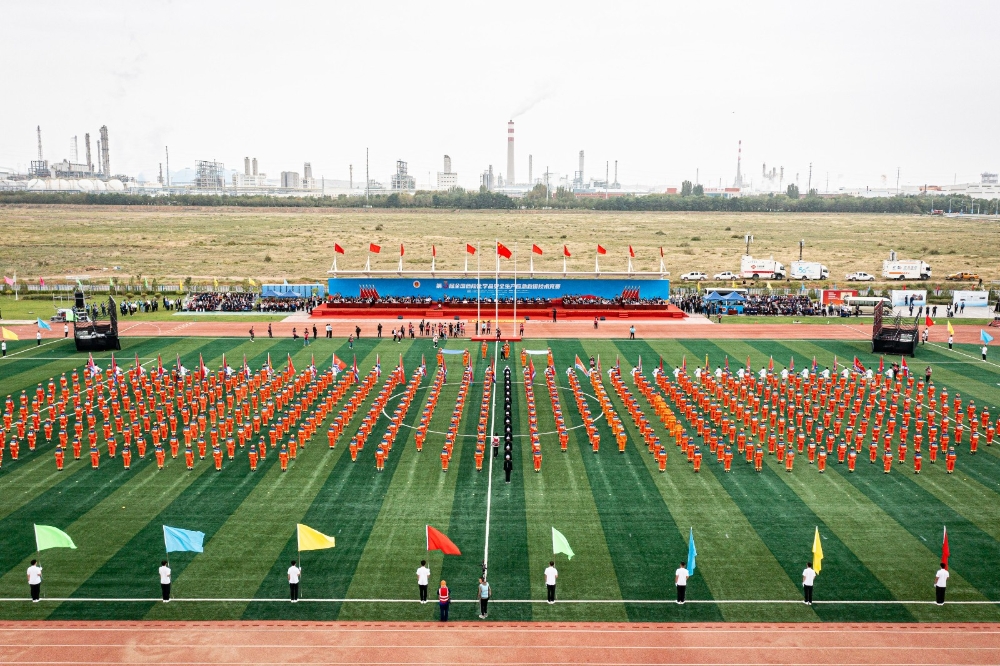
x=44, y=325
x=985, y=337
x=184, y=540
x=692, y=553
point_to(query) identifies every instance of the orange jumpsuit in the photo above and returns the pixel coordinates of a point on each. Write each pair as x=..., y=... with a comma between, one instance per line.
x=14, y=449
x=174, y=446
x=973, y=442
x=160, y=455
x=727, y=458
x=217, y=457
x=886, y=461
x=917, y=460
x=697, y=459
x=932, y=450
x=479, y=459
x=127, y=457
x=536, y=458
x=379, y=458
x=821, y=462
x=661, y=457
x=189, y=457
x=59, y=458
x=95, y=457
x=283, y=458
x=230, y=447
x=444, y=460
x=354, y=449
x=201, y=448
x=950, y=460
x=758, y=459
x=252, y=455
x=852, y=460
x=789, y=459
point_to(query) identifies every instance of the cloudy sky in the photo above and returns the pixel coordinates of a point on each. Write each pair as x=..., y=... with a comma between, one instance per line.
x=857, y=88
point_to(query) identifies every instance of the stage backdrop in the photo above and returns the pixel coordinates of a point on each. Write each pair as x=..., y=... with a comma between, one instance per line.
x=552, y=288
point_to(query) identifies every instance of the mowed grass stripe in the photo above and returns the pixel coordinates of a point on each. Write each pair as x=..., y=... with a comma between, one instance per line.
x=240, y=551
x=467, y=523
x=508, y=575
x=786, y=525
x=197, y=507
x=727, y=543
x=641, y=534
x=420, y=494
x=560, y=496
x=346, y=507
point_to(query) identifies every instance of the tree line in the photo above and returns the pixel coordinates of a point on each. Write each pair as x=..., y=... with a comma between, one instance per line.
x=691, y=198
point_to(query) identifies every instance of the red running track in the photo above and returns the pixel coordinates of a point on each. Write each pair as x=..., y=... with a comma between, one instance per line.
x=494, y=643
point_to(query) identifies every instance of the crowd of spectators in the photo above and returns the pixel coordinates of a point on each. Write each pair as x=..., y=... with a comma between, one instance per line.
x=786, y=304
x=214, y=301
x=571, y=300
x=271, y=304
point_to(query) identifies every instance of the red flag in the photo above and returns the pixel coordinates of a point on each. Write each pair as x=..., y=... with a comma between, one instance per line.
x=437, y=540
x=338, y=249
x=945, y=551
x=503, y=251
x=536, y=249
x=601, y=250
x=291, y=367
x=41, y=282
x=928, y=322
x=881, y=364
x=631, y=252
x=372, y=247
x=770, y=364
x=434, y=251
x=661, y=252
x=566, y=252
x=339, y=364
x=401, y=251
x=471, y=249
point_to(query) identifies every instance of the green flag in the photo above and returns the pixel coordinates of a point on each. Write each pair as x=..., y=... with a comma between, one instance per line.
x=47, y=537
x=560, y=545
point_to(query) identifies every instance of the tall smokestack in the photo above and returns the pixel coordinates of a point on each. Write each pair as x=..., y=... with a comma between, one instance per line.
x=246, y=166
x=510, y=153
x=167, y=149
x=581, y=167
x=105, y=153
x=254, y=163
x=530, y=180
x=86, y=145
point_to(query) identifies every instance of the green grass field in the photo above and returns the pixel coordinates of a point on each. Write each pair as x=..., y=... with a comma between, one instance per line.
x=627, y=523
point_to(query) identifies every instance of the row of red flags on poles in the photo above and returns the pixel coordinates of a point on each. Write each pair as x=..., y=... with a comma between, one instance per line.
x=502, y=250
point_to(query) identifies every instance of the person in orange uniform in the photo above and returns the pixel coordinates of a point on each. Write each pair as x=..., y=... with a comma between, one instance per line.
x=479, y=457
x=111, y=447
x=789, y=459
x=230, y=447
x=821, y=460
x=887, y=461
x=444, y=459
x=14, y=449
x=95, y=457
x=852, y=459
x=973, y=442
x=950, y=460
x=189, y=456
x=127, y=456
x=283, y=458
x=841, y=452
x=252, y=455
x=354, y=449
x=217, y=457
x=696, y=461
x=380, y=457
x=758, y=460
x=536, y=459
x=202, y=446
x=484, y=349
x=174, y=446
x=873, y=452
x=727, y=458
x=932, y=452
x=160, y=456
x=917, y=462
x=59, y=457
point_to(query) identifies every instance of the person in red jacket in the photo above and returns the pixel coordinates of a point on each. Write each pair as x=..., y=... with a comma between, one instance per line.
x=444, y=600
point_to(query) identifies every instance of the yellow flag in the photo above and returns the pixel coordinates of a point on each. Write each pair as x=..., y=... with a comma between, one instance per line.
x=734, y=284
x=252, y=283
x=216, y=282
x=310, y=539
x=817, y=553
x=8, y=335
x=768, y=286
x=951, y=331
x=180, y=286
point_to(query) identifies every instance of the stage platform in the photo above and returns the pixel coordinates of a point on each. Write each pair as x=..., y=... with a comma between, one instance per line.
x=468, y=312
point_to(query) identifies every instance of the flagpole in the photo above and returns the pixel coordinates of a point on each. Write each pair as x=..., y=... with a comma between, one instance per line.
x=478, y=299
x=514, y=323
x=496, y=284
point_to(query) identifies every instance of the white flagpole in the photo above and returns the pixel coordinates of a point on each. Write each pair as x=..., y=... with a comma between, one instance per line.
x=597, y=266
x=515, y=286
x=496, y=283
x=630, y=264
x=531, y=263
x=478, y=290
x=400, y=269
x=564, y=262
x=433, y=259
x=368, y=263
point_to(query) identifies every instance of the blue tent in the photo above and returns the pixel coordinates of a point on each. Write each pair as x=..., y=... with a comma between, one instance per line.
x=731, y=297
x=274, y=293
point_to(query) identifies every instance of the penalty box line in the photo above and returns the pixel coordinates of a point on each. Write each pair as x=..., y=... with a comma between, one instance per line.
x=832, y=602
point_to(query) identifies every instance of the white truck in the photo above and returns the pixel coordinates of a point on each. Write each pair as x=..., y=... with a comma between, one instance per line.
x=809, y=270
x=905, y=269
x=761, y=268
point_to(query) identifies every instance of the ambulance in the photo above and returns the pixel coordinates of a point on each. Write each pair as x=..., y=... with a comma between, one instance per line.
x=761, y=268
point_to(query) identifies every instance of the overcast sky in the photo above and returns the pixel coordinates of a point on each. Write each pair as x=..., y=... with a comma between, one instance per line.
x=856, y=88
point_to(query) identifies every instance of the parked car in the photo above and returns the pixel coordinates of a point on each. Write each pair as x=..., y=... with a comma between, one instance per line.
x=725, y=275
x=860, y=276
x=694, y=276
x=963, y=276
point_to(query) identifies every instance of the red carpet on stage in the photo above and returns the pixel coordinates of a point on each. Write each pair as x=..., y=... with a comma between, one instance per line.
x=467, y=311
